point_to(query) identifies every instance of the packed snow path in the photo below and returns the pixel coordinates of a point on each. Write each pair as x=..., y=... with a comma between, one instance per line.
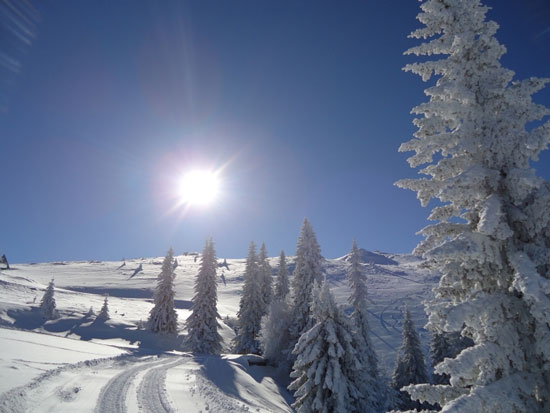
x=152, y=390
x=112, y=397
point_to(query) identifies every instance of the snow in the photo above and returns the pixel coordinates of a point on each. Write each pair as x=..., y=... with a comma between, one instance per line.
x=65, y=364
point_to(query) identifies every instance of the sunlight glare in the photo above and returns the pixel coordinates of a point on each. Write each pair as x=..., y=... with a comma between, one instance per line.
x=198, y=187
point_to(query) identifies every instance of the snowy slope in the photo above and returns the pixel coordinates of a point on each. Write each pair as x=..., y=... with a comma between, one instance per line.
x=75, y=361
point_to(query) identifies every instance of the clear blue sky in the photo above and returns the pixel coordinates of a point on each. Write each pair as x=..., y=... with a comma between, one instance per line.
x=303, y=103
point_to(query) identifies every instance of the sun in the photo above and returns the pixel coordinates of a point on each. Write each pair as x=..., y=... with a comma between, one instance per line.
x=198, y=187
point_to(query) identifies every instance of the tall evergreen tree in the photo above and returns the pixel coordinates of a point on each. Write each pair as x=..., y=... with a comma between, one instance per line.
x=274, y=334
x=202, y=324
x=281, y=286
x=163, y=317
x=104, y=312
x=266, y=278
x=308, y=270
x=410, y=367
x=440, y=348
x=491, y=242
x=274, y=337
x=368, y=383
x=250, y=307
x=47, y=304
x=326, y=367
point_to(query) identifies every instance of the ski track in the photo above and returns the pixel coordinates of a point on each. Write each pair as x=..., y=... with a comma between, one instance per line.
x=112, y=397
x=152, y=390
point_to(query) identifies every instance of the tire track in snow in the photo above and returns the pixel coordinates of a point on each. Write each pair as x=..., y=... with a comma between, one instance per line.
x=152, y=390
x=112, y=397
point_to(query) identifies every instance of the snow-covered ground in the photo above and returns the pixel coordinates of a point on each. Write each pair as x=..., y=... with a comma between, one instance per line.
x=75, y=363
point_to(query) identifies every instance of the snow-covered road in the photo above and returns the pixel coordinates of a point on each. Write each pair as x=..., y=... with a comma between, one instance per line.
x=113, y=395
x=151, y=394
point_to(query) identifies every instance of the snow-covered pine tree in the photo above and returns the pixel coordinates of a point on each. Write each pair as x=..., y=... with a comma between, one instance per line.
x=308, y=270
x=250, y=307
x=163, y=317
x=202, y=324
x=266, y=278
x=491, y=244
x=326, y=366
x=440, y=348
x=446, y=345
x=104, y=312
x=47, y=304
x=281, y=286
x=410, y=367
x=274, y=333
x=372, y=392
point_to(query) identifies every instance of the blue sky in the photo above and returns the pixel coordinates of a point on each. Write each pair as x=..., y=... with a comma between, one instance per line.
x=302, y=104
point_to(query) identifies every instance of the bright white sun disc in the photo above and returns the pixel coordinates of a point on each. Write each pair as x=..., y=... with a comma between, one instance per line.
x=199, y=187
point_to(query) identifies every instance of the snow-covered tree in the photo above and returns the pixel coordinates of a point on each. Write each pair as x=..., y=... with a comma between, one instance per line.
x=90, y=313
x=104, y=312
x=281, y=285
x=440, y=348
x=250, y=307
x=491, y=241
x=163, y=317
x=308, y=270
x=47, y=304
x=446, y=345
x=411, y=367
x=202, y=324
x=266, y=278
x=368, y=382
x=274, y=337
x=326, y=367
x=274, y=333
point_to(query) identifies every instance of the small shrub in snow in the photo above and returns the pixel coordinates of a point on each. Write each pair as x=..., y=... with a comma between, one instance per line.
x=47, y=304
x=104, y=312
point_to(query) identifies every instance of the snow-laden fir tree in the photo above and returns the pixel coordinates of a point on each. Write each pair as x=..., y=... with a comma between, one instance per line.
x=491, y=242
x=274, y=333
x=446, y=345
x=372, y=399
x=308, y=270
x=250, y=307
x=410, y=367
x=163, y=317
x=440, y=348
x=104, y=312
x=326, y=369
x=202, y=324
x=266, y=278
x=47, y=304
x=281, y=285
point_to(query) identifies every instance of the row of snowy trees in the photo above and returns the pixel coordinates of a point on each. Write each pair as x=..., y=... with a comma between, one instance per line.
x=48, y=306
x=202, y=324
x=301, y=329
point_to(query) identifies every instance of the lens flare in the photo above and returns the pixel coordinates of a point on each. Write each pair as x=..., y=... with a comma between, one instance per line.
x=198, y=188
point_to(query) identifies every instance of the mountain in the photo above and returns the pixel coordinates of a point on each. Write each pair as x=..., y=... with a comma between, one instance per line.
x=75, y=363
